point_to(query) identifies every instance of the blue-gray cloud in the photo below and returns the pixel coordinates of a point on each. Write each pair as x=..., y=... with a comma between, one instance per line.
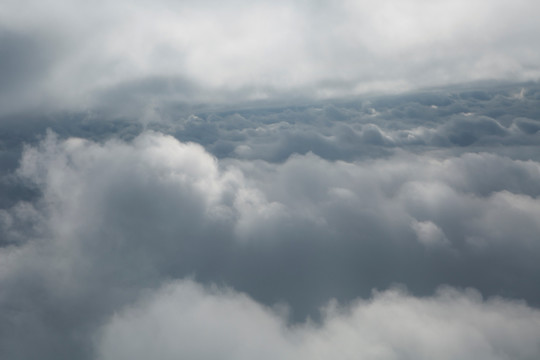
x=144, y=143
x=292, y=206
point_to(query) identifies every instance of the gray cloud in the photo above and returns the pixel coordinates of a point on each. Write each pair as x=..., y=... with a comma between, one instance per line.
x=241, y=179
x=113, y=220
x=370, y=126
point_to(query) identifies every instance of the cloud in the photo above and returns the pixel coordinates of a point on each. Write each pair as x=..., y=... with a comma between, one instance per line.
x=429, y=234
x=285, y=207
x=241, y=179
x=368, y=127
x=113, y=220
x=197, y=322
x=124, y=55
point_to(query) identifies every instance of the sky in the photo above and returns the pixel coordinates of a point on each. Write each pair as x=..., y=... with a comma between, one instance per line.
x=277, y=180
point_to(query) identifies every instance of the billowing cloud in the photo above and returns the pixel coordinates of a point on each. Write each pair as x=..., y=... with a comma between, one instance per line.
x=201, y=179
x=185, y=318
x=110, y=221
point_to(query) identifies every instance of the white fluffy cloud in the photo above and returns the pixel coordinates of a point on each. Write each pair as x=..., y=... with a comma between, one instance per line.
x=188, y=320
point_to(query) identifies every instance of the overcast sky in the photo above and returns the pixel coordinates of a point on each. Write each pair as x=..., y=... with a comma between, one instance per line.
x=269, y=179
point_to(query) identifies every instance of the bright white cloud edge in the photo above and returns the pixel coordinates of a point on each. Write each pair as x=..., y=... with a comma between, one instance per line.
x=185, y=319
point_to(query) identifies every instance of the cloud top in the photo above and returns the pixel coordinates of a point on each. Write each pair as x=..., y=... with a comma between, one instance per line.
x=185, y=318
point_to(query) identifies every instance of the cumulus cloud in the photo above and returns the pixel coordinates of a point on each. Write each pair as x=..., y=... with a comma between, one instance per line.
x=368, y=127
x=185, y=318
x=112, y=220
x=241, y=179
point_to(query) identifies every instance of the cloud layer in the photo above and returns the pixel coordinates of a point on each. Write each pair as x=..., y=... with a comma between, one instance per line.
x=421, y=190
x=201, y=179
x=129, y=54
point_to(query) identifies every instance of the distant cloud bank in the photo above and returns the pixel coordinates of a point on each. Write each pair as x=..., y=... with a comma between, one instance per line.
x=71, y=54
